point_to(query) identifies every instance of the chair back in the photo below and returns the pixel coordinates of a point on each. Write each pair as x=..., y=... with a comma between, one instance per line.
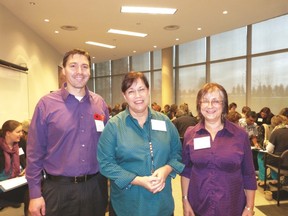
x=284, y=157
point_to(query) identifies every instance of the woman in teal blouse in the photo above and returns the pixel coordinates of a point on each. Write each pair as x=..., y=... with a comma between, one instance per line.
x=140, y=151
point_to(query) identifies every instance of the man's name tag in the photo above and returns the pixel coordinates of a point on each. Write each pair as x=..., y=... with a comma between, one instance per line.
x=202, y=143
x=99, y=125
x=158, y=125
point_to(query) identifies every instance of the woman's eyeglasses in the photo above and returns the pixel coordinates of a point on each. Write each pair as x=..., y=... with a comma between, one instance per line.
x=214, y=103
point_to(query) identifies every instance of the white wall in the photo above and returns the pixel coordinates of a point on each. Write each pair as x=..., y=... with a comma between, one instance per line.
x=20, y=45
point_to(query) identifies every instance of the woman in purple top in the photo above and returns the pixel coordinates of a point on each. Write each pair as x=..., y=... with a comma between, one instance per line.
x=219, y=176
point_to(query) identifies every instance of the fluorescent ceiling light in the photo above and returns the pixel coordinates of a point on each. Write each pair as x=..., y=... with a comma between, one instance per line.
x=149, y=10
x=137, y=34
x=100, y=44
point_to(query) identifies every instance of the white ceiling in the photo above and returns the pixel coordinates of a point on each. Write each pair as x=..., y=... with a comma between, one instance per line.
x=94, y=18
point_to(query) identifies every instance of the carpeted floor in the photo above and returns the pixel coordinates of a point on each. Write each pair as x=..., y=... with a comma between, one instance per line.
x=274, y=210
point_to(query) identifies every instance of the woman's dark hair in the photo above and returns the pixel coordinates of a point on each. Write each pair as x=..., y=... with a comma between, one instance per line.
x=266, y=110
x=233, y=116
x=130, y=78
x=10, y=126
x=231, y=105
x=245, y=109
x=211, y=87
x=284, y=111
x=72, y=53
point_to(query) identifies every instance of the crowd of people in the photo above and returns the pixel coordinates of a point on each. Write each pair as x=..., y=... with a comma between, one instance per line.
x=267, y=132
x=77, y=146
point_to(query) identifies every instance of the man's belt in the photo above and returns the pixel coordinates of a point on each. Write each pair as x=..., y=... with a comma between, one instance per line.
x=74, y=179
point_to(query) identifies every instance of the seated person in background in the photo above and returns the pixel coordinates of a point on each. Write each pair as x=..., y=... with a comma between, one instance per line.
x=153, y=105
x=186, y=109
x=157, y=107
x=10, y=136
x=172, y=112
x=244, y=110
x=277, y=145
x=232, y=107
x=115, y=110
x=264, y=133
x=284, y=111
x=251, y=128
x=23, y=143
x=124, y=105
x=264, y=116
x=166, y=109
x=183, y=121
x=233, y=116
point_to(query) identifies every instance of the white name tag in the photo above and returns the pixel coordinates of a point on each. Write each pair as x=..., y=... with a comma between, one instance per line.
x=99, y=125
x=158, y=125
x=21, y=152
x=202, y=143
x=260, y=119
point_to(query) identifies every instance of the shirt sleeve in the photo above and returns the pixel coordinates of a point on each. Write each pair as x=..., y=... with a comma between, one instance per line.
x=186, y=154
x=248, y=170
x=107, y=159
x=175, y=160
x=36, y=152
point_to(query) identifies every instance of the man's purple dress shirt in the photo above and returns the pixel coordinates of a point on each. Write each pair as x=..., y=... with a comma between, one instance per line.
x=62, y=137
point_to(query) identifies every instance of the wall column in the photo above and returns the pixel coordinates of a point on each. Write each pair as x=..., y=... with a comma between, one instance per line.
x=167, y=76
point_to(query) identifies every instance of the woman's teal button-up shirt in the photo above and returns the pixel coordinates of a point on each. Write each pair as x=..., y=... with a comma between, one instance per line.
x=123, y=154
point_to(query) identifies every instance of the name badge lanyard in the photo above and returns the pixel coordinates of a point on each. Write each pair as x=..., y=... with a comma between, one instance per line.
x=151, y=150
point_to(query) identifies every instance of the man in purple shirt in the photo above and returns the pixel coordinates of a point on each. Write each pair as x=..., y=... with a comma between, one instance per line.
x=63, y=138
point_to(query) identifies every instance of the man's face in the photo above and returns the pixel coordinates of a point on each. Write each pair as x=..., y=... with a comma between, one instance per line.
x=77, y=73
x=250, y=121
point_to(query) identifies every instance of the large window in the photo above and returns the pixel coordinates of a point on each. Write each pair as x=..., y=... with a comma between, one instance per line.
x=232, y=76
x=192, y=52
x=270, y=35
x=141, y=62
x=191, y=79
x=157, y=60
x=120, y=66
x=270, y=82
x=229, y=44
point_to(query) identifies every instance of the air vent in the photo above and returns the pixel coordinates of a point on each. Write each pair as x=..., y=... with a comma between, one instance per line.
x=69, y=28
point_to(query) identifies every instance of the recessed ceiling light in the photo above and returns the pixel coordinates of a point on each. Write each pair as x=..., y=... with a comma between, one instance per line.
x=199, y=28
x=225, y=12
x=56, y=32
x=100, y=44
x=177, y=39
x=149, y=10
x=155, y=46
x=46, y=20
x=32, y=3
x=137, y=34
x=134, y=51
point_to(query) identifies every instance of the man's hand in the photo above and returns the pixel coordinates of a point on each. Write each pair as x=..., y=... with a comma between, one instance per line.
x=37, y=207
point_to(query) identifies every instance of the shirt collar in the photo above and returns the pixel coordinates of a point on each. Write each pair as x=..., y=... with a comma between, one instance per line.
x=228, y=127
x=151, y=114
x=65, y=94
